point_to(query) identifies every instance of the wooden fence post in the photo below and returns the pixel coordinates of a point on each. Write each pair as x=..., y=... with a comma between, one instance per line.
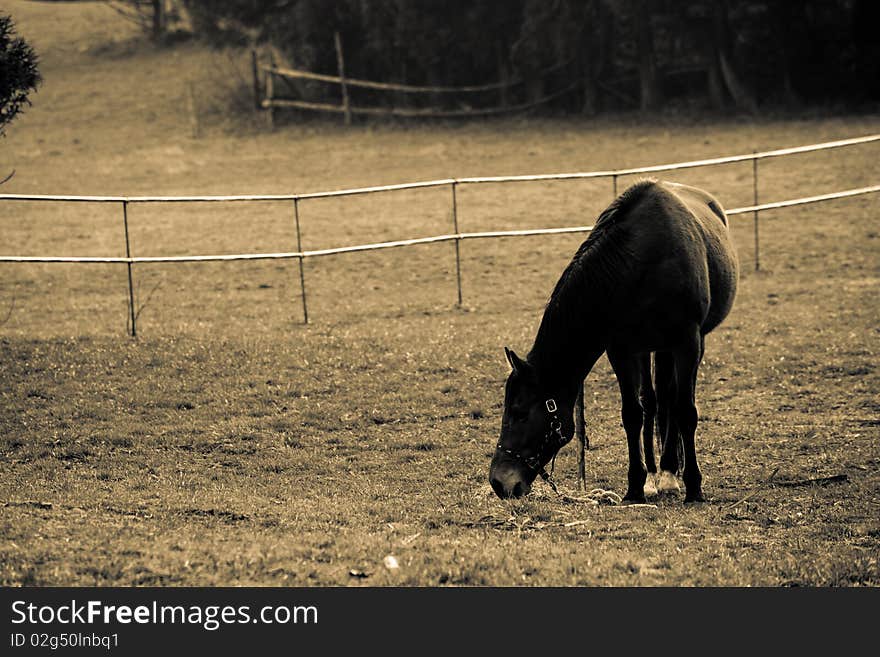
x=302, y=274
x=132, y=315
x=457, y=241
x=255, y=69
x=340, y=61
x=270, y=95
x=755, y=202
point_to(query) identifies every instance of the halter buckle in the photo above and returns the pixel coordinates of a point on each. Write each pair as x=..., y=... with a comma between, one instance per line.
x=551, y=405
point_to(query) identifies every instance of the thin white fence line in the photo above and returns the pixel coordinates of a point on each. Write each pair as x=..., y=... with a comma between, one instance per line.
x=224, y=199
x=457, y=236
x=147, y=199
x=526, y=232
x=807, y=199
x=411, y=242
x=149, y=259
x=677, y=165
x=380, y=245
x=378, y=188
x=73, y=259
x=448, y=181
x=446, y=238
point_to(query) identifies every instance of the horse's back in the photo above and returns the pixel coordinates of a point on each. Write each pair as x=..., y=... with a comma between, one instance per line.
x=689, y=227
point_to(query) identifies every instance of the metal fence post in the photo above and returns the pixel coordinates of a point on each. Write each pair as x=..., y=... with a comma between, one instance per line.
x=302, y=275
x=132, y=314
x=457, y=240
x=614, y=184
x=755, y=202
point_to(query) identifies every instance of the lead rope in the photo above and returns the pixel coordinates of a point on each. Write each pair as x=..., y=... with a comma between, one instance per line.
x=548, y=476
x=595, y=496
x=555, y=427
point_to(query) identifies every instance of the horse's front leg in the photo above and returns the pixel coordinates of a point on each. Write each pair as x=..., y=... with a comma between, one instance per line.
x=627, y=370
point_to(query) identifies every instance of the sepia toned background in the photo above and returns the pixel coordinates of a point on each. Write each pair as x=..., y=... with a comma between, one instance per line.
x=230, y=443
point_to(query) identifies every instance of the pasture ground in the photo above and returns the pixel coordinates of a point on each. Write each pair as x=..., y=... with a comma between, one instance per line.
x=231, y=445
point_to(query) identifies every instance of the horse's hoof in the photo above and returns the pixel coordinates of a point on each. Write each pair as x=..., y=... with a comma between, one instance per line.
x=634, y=499
x=696, y=498
x=668, y=483
x=651, y=485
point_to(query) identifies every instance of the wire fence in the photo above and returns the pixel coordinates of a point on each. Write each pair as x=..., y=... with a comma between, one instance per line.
x=456, y=236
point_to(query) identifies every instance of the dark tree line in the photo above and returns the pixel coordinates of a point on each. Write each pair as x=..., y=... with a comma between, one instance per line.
x=620, y=53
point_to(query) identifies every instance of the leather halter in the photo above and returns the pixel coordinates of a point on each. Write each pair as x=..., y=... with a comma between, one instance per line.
x=553, y=439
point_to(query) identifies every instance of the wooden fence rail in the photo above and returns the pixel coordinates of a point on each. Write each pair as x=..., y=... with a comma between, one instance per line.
x=271, y=101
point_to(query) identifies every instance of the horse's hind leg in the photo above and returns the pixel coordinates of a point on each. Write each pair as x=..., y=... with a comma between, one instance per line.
x=649, y=412
x=664, y=382
x=687, y=362
x=626, y=367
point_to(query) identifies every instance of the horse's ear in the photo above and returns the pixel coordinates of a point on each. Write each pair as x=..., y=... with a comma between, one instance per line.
x=518, y=364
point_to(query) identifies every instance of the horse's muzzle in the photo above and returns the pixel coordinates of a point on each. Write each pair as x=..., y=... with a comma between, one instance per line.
x=508, y=482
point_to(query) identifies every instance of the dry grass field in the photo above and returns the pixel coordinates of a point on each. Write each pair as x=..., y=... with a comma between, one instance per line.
x=229, y=444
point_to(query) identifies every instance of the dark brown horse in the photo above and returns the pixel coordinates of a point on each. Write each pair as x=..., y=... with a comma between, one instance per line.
x=657, y=273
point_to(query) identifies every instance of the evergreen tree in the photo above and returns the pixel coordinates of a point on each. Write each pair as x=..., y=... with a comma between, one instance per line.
x=18, y=73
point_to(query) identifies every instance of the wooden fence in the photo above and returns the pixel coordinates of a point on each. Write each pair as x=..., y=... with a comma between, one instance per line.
x=265, y=77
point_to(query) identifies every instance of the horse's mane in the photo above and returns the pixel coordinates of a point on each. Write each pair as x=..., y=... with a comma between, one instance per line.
x=598, y=263
x=594, y=259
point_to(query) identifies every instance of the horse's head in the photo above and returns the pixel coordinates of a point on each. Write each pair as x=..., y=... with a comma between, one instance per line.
x=536, y=423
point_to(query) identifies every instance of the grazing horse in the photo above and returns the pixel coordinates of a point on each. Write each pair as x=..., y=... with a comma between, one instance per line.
x=657, y=273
